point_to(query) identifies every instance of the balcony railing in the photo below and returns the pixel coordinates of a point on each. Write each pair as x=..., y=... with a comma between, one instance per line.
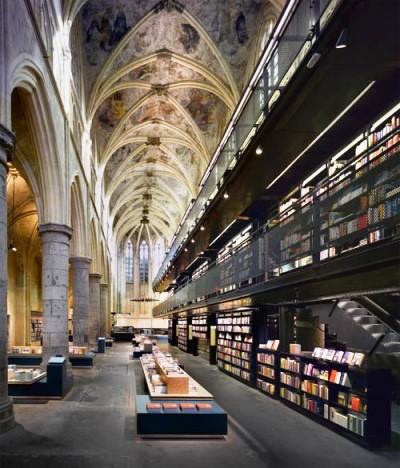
x=295, y=32
x=357, y=204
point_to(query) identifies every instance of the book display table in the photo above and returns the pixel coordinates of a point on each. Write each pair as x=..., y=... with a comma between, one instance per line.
x=142, y=345
x=169, y=418
x=32, y=356
x=55, y=383
x=165, y=379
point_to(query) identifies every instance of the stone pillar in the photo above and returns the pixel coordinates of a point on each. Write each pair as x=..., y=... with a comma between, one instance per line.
x=55, y=245
x=94, y=308
x=6, y=408
x=80, y=297
x=104, y=309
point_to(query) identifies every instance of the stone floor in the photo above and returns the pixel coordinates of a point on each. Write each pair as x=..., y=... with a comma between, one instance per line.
x=95, y=427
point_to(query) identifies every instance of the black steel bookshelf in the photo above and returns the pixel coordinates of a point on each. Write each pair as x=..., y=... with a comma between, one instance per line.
x=235, y=345
x=333, y=404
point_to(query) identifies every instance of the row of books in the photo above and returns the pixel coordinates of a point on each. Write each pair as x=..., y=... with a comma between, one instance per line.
x=291, y=252
x=266, y=358
x=266, y=387
x=349, y=227
x=339, y=378
x=199, y=320
x=298, y=263
x=234, y=320
x=313, y=405
x=237, y=371
x=382, y=192
x=243, y=346
x=234, y=328
x=349, y=421
x=343, y=357
x=347, y=196
x=352, y=402
x=384, y=210
x=230, y=337
x=317, y=389
x=244, y=364
x=291, y=380
x=201, y=335
x=287, y=394
x=290, y=364
x=234, y=352
x=270, y=344
x=266, y=371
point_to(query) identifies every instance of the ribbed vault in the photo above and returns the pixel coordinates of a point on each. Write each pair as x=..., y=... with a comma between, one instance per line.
x=163, y=79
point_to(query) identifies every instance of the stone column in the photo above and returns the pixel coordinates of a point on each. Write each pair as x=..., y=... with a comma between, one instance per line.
x=94, y=308
x=55, y=245
x=80, y=297
x=103, y=309
x=6, y=408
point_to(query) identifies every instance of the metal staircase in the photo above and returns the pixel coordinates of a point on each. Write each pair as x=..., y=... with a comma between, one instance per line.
x=388, y=341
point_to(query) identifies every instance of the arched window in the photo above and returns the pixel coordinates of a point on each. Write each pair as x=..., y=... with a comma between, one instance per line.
x=129, y=262
x=157, y=257
x=144, y=262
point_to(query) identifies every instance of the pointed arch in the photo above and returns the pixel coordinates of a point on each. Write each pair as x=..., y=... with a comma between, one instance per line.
x=47, y=182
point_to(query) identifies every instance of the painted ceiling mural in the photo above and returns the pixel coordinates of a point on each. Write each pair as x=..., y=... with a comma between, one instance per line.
x=162, y=80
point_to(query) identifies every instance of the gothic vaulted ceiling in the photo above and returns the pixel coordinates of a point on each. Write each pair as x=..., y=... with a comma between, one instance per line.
x=162, y=79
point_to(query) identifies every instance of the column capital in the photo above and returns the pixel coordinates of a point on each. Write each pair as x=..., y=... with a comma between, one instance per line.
x=95, y=275
x=80, y=260
x=55, y=228
x=7, y=143
x=104, y=285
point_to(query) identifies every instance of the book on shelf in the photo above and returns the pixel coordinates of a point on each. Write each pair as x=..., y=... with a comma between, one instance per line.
x=295, y=348
x=342, y=398
x=358, y=359
x=330, y=355
x=357, y=403
x=338, y=356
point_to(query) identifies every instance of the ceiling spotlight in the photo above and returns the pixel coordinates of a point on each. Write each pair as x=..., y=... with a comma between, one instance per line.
x=202, y=252
x=185, y=249
x=313, y=60
x=12, y=247
x=342, y=40
x=226, y=195
x=192, y=241
x=202, y=228
x=259, y=150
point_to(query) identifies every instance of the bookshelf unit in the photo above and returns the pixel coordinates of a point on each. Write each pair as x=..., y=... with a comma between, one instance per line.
x=170, y=331
x=295, y=231
x=183, y=335
x=235, y=345
x=36, y=329
x=354, y=401
x=267, y=378
x=200, y=330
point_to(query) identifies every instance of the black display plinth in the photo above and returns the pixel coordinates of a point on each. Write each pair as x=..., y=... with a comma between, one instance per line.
x=56, y=384
x=210, y=423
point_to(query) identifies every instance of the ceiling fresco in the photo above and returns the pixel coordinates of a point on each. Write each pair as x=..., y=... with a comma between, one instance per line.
x=162, y=80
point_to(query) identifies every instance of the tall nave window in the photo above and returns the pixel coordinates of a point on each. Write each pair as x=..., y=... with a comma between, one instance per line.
x=129, y=262
x=144, y=262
